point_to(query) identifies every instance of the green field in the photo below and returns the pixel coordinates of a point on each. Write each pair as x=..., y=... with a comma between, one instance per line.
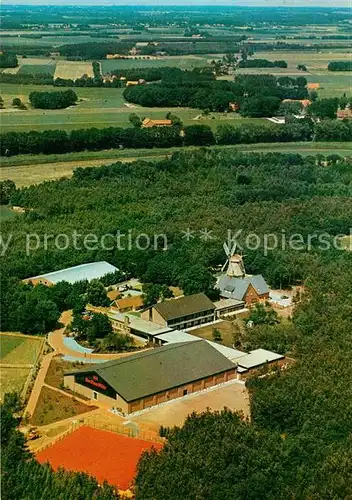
x=183, y=62
x=8, y=344
x=12, y=380
x=33, y=69
x=19, y=350
x=17, y=353
x=98, y=108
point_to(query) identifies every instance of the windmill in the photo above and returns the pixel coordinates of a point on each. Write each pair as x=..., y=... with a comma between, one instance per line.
x=234, y=262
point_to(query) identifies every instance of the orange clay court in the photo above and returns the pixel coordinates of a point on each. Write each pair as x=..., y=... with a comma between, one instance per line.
x=103, y=454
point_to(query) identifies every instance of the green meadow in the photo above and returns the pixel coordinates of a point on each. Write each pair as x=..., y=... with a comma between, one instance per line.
x=97, y=107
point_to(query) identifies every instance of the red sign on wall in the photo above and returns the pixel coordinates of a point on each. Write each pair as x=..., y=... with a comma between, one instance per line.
x=96, y=383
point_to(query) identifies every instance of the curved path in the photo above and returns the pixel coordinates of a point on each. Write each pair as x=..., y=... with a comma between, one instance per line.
x=56, y=340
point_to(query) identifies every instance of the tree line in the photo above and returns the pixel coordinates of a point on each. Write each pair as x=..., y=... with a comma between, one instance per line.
x=95, y=50
x=147, y=74
x=340, y=66
x=261, y=63
x=93, y=139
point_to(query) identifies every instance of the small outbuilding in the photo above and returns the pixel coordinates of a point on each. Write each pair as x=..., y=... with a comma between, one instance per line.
x=148, y=123
x=125, y=304
x=256, y=359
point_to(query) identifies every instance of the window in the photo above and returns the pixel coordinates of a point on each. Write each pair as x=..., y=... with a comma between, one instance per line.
x=95, y=395
x=185, y=392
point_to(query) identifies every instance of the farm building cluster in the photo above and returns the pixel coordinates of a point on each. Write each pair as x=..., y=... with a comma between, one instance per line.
x=156, y=376
x=177, y=362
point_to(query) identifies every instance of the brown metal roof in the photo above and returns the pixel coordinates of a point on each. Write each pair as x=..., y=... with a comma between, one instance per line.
x=184, y=306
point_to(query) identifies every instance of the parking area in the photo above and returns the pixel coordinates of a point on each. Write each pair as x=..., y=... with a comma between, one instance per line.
x=233, y=395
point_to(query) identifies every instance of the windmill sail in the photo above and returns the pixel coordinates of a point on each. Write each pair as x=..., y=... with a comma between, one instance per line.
x=234, y=262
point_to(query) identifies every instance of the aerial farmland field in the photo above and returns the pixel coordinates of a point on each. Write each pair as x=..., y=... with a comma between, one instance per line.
x=331, y=83
x=34, y=69
x=33, y=65
x=183, y=62
x=18, y=353
x=12, y=380
x=97, y=107
x=19, y=349
x=55, y=40
x=73, y=69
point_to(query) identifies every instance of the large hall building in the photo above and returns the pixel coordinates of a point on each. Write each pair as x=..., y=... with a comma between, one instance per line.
x=152, y=377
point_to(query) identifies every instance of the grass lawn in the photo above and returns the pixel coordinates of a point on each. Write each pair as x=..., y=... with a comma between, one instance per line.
x=12, y=380
x=226, y=328
x=19, y=350
x=53, y=406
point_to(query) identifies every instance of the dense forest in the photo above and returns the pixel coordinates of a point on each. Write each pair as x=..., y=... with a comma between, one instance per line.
x=298, y=443
x=214, y=189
